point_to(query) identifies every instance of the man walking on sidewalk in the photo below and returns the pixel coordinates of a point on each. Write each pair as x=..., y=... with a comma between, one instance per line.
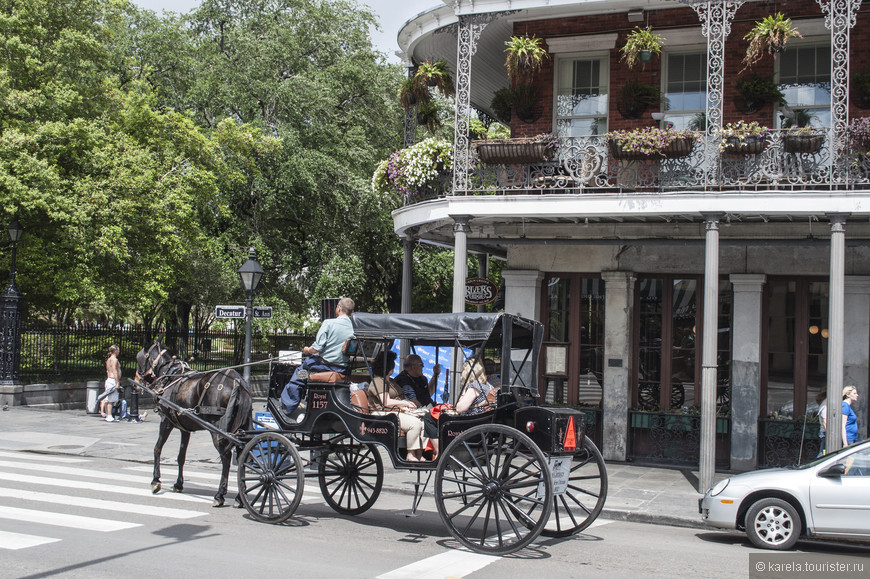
x=113, y=380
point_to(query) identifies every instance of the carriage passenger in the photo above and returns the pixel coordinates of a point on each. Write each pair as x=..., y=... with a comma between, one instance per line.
x=476, y=398
x=326, y=354
x=387, y=396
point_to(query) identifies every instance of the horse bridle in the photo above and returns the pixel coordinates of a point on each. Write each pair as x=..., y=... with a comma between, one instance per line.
x=152, y=371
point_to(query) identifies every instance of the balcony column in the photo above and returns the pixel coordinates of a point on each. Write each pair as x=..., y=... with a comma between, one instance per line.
x=840, y=17
x=746, y=369
x=709, y=367
x=483, y=271
x=468, y=33
x=407, y=276
x=619, y=364
x=836, y=294
x=715, y=17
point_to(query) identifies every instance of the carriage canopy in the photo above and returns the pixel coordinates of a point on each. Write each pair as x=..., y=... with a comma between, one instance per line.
x=517, y=340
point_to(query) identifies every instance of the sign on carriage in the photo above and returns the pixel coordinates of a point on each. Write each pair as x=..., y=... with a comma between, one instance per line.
x=229, y=311
x=262, y=312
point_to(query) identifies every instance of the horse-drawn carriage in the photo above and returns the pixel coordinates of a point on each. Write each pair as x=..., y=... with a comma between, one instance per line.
x=502, y=477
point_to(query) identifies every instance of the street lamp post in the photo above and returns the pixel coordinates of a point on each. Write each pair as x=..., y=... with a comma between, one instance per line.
x=250, y=273
x=10, y=318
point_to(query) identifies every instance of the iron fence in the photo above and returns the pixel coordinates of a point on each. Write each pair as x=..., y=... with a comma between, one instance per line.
x=79, y=353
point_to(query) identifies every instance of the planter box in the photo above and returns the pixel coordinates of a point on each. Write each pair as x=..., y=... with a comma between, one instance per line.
x=513, y=152
x=803, y=143
x=735, y=146
x=674, y=150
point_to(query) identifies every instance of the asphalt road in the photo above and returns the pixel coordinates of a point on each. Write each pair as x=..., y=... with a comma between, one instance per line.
x=63, y=516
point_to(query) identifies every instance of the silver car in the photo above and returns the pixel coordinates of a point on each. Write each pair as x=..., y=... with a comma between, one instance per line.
x=827, y=498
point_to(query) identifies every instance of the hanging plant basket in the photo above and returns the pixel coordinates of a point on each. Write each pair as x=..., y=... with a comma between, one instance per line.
x=735, y=146
x=514, y=152
x=803, y=143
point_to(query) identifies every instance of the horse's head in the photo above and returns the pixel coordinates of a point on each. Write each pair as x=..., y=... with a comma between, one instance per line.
x=152, y=362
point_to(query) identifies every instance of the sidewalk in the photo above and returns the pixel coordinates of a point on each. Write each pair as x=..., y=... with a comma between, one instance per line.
x=645, y=494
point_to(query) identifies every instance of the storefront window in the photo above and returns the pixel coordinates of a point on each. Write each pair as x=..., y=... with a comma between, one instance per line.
x=797, y=346
x=574, y=340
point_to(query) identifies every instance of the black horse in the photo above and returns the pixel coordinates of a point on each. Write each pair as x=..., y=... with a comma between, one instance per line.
x=219, y=397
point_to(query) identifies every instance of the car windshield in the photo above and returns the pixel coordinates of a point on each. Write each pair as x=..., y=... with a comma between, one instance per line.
x=816, y=461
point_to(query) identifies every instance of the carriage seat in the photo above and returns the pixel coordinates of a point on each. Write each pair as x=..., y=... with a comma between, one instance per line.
x=326, y=377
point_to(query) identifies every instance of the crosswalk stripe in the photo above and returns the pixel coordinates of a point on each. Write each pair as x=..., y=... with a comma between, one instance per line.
x=63, y=520
x=15, y=541
x=41, y=457
x=117, y=506
x=103, y=488
x=450, y=564
x=53, y=469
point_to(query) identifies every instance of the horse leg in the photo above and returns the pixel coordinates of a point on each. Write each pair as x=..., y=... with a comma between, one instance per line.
x=182, y=455
x=165, y=430
x=224, y=448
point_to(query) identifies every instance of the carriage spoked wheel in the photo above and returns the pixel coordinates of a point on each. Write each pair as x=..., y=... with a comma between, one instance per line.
x=584, y=497
x=271, y=480
x=493, y=489
x=351, y=477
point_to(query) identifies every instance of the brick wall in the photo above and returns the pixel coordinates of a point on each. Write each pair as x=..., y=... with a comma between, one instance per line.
x=661, y=21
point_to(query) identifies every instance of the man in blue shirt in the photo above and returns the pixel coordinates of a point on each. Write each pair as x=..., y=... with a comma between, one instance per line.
x=324, y=355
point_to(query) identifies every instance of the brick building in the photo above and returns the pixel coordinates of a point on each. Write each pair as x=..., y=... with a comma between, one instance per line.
x=634, y=264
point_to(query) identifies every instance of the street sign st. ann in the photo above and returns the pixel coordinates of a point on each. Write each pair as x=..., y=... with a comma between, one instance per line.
x=262, y=312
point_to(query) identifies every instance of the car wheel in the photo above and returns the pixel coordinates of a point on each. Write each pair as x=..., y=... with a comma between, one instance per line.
x=773, y=524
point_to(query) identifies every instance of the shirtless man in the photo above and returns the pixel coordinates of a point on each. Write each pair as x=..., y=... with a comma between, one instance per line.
x=113, y=380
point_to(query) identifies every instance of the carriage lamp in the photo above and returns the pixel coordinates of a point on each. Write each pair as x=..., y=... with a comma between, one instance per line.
x=250, y=273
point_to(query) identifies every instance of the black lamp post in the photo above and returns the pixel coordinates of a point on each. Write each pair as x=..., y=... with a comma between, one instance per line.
x=250, y=273
x=10, y=318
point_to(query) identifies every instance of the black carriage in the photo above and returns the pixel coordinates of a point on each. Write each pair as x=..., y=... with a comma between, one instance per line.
x=502, y=478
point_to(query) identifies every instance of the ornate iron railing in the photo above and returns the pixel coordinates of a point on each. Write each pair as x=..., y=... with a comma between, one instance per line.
x=675, y=438
x=787, y=442
x=587, y=164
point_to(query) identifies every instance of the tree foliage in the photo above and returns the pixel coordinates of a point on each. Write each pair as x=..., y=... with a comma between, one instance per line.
x=146, y=153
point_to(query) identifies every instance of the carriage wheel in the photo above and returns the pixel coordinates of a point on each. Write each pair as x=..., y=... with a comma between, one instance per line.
x=493, y=489
x=271, y=481
x=582, y=501
x=351, y=476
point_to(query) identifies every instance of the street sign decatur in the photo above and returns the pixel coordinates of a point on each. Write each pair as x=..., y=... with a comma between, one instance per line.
x=262, y=311
x=229, y=311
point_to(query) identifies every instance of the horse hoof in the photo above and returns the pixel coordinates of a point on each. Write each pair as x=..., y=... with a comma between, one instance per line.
x=217, y=503
x=177, y=489
x=155, y=488
x=237, y=504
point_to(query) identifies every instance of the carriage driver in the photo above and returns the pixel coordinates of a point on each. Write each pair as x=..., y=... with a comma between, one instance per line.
x=324, y=355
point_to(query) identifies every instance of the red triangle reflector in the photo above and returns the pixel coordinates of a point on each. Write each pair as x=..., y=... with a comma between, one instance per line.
x=570, y=442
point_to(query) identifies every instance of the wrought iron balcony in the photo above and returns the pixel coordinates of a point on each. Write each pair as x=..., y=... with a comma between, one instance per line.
x=588, y=165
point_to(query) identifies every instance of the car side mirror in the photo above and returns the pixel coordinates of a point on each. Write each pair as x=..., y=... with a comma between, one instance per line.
x=834, y=471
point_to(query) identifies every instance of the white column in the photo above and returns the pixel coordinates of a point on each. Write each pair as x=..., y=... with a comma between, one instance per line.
x=836, y=290
x=407, y=276
x=856, y=364
x=707, y=467
x=460, y=260
x=618, y=362
x=522, y=291
x=745, y=369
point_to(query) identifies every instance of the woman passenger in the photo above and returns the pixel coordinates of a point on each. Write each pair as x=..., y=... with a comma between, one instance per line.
x=387, y=396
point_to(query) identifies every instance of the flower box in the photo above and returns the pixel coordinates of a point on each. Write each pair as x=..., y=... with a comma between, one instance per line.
x=677, y=148
x=802, y=143
x=736, y=146
x=512, y=152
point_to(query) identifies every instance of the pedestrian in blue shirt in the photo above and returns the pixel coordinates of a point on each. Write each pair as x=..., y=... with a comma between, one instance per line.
x=850, y=419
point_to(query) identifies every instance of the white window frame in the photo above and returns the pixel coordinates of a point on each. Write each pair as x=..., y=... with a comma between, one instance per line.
x=562, y=60
x=806, y=42
x=699, y=49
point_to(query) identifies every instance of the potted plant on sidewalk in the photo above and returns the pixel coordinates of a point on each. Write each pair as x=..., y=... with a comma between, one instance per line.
x=641, y=45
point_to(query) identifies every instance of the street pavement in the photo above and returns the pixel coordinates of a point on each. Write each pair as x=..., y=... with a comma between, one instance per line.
x=636, y=493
